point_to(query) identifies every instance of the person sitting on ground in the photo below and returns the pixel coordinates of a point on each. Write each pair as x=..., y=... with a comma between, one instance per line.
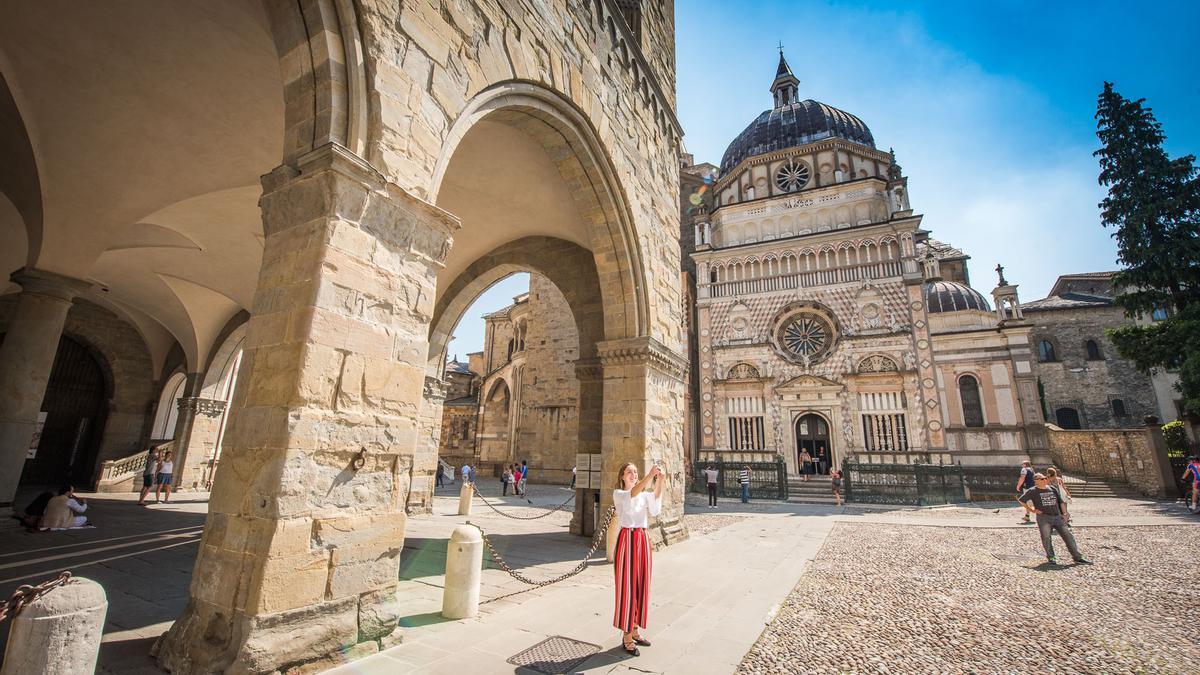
x=64, y=511
x=33, y=513
x=1052, y=516
x=148, y=474
x=166, y=467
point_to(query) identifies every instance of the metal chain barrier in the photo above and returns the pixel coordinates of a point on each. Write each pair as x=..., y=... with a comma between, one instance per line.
x=26, y=594
x=597, y=537
x=509, y=515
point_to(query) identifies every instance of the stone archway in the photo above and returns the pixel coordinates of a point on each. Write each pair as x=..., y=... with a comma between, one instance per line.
x=494, y=427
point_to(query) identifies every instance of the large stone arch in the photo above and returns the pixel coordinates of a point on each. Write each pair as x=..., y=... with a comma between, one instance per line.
x=568, y=136
x=570, y=267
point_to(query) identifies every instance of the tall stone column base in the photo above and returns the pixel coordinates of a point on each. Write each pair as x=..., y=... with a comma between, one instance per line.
x=299, y=563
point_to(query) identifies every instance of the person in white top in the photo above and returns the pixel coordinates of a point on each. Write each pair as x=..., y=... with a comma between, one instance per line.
x=466, y=473
x=631, y=560
x=166, y=467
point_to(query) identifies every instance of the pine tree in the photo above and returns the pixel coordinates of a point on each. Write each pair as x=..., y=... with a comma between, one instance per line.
x=1153, y=203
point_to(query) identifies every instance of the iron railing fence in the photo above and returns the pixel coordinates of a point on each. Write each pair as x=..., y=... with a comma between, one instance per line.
x=903, y=484
x=768, y=480
x=990, y=483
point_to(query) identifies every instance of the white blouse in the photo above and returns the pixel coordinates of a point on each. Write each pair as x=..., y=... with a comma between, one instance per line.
x=635, y=511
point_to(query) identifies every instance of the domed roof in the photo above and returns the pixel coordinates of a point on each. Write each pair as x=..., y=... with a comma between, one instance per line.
x=793, y=124
x=948, y=296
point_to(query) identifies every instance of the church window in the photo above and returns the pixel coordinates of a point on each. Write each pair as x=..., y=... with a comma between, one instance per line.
x=972, y=407
x=1118, y=408
x=1093, y=351
x=712, y=276
x=791, y=176
x=1067, y=418
x=806, y=336
x=883, y=422
x=743, y=371
x=877, y=364
x=1046, y=351
x=746, y=429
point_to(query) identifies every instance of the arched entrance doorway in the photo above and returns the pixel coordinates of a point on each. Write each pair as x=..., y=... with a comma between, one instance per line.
x=812, y=434
x=493, y=437
x=75, y=412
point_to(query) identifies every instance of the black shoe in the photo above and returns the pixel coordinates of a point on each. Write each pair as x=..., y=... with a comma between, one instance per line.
x=641, y=641
x=1082, y=561
x=632, y=651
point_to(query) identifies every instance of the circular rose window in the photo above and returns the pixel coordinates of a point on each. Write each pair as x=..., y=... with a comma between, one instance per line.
x=806, y=337
x=791, y=176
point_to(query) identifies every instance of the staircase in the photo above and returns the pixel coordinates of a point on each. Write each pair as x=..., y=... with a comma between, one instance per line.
x=818, y=490
x=1084, y=487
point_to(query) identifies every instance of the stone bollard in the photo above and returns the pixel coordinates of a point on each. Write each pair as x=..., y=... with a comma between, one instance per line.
x=464, y=567
x=466, y=495
x=58, y=632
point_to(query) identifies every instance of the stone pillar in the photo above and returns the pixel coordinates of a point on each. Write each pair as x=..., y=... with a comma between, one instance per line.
x=643, y=413
x=299, y=562
x=1167, y=488
x=196, y=431
x=589, y=372
x=26, y=358
x=425, y=459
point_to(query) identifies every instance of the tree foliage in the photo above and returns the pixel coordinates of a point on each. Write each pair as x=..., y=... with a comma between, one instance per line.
x=1153, y=203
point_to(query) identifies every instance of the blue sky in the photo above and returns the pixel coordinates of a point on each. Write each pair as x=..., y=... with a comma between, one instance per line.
x=989, y=107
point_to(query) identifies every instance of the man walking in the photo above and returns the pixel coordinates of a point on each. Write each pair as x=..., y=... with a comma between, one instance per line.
x=1025, y=482
x=1052, y=516
x=710, y=475
x=466, y=473
x=524, y=476
x=441, y=475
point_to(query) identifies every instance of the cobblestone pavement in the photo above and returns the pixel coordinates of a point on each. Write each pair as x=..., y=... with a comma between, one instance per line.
x=699, y=524
x=915, y=599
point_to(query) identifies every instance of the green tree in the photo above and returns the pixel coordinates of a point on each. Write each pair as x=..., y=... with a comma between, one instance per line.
x=1153, y=203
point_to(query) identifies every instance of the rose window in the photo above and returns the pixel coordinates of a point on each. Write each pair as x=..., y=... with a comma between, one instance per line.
x=791, y=176
x=806, y=336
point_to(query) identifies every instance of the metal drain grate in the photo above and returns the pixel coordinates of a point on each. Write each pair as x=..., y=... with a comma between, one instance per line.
x=555, y=655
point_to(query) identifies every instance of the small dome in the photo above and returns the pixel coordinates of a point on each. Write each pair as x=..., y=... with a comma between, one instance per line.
x=794, y=124
x=948, y=296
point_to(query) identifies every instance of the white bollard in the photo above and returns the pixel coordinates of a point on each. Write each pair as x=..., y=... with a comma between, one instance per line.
x=466, y=494
x=58, y=632
x=464, y=567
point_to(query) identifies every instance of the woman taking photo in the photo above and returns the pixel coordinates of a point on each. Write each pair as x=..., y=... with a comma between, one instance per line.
x=631, y=560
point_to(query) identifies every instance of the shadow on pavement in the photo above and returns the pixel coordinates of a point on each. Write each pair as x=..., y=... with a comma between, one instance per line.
x=142, y=556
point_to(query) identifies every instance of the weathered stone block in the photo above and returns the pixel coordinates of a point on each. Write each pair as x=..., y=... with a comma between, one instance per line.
x=378, y=614
x=299, y=635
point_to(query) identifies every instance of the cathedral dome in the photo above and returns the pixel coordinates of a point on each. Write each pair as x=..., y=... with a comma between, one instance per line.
x=792, y=124
x=948, y=296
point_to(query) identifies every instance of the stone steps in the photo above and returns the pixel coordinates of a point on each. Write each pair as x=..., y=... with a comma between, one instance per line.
x=815, y=491
x=1085, y=488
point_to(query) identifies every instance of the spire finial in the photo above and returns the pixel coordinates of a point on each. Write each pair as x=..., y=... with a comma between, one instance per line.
x=1000, y=271
x=781, y=48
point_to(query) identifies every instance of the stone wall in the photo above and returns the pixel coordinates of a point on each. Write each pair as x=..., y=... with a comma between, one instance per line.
x=1089, y=386
x=1134, y=456
x=547, y=431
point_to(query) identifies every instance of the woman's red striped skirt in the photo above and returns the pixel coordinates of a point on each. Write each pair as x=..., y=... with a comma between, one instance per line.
x=631, y=561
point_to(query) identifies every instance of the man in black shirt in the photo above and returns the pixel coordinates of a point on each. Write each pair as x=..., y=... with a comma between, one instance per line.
x=1052, y=516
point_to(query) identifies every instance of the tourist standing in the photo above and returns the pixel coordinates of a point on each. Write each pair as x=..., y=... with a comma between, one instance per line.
x=631, y=558
x=524, y=475
x=1192, y=470
x=516, y=473
x=744, y=479
x=1052, y=516
x=466, y=473
x=148, y=474
x=441, y=475
x=1055, y=480
x=166, y=468
x=506, y=479
x=710, y=475
x=836, y=479
x=1024, y=482
x=573, y=476
x=806, y=464
x=822, y=460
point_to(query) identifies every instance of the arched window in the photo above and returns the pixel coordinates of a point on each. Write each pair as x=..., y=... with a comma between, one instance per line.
x=1118, y=408
x=1046, y=351
x=1093, y=351
x=1067, y=418
x=168, y=408
x=972, y=407
x=712, y=276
